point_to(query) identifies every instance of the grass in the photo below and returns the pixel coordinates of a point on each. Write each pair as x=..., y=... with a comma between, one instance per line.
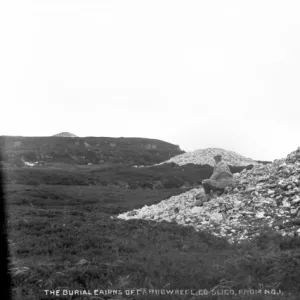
x=113, y=175
x=53, y=228
x=84, y=198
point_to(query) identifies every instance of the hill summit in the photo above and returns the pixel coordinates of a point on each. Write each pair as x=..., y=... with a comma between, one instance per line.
x=65, y=134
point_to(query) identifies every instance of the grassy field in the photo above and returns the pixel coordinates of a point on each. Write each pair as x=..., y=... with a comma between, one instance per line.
x=112, y=175
x=64, y=237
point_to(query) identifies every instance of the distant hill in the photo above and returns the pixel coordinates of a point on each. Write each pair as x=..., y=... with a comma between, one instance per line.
x=18, y=150
x=65, y=134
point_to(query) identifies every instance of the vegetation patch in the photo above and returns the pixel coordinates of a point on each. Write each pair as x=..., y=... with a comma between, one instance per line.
x=71, y=241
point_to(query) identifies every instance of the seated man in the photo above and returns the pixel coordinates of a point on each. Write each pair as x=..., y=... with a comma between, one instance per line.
x=220, y=178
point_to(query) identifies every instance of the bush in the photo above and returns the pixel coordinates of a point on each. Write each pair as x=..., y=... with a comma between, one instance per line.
x=133, y=185
x=30, y=156
x=173, y=183
x=32, y=182
x=147, y=185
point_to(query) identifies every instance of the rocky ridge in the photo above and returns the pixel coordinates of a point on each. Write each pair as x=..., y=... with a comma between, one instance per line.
x=265, y=196
x=205, y=156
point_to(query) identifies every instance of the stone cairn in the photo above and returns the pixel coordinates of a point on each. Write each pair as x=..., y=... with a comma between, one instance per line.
x=265, y=196
x=205, y=157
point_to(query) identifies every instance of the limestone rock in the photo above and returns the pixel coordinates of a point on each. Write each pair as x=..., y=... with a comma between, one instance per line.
x=82, y=262
x=196, y=210
x=216, y=217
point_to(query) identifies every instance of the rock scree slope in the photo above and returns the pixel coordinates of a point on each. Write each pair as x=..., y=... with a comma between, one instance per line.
x=205, y=156
x=266, y=196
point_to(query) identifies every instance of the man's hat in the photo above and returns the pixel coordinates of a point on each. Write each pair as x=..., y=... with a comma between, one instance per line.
x=218, y=156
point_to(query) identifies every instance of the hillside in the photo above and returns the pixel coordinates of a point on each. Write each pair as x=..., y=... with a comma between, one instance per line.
x=118, y=176
x=63, y=224
x=205, y=157
x=19, y=150
x=69, y=236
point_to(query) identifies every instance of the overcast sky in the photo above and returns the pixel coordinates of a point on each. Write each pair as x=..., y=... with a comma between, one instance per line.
x=198, y=74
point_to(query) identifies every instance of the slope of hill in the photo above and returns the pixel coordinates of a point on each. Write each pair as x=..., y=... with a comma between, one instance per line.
x=65, y=134
x=166, y=176
x=94, y=150
x=205, y=157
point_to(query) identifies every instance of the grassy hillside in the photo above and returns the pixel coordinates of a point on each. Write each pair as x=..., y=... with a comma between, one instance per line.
x=93, y=150
x=156, y=177
x=63, y=233
x=64, y=237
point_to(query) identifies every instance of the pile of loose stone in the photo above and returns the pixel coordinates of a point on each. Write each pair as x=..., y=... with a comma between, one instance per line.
x=205, y=156
x=265, y=196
